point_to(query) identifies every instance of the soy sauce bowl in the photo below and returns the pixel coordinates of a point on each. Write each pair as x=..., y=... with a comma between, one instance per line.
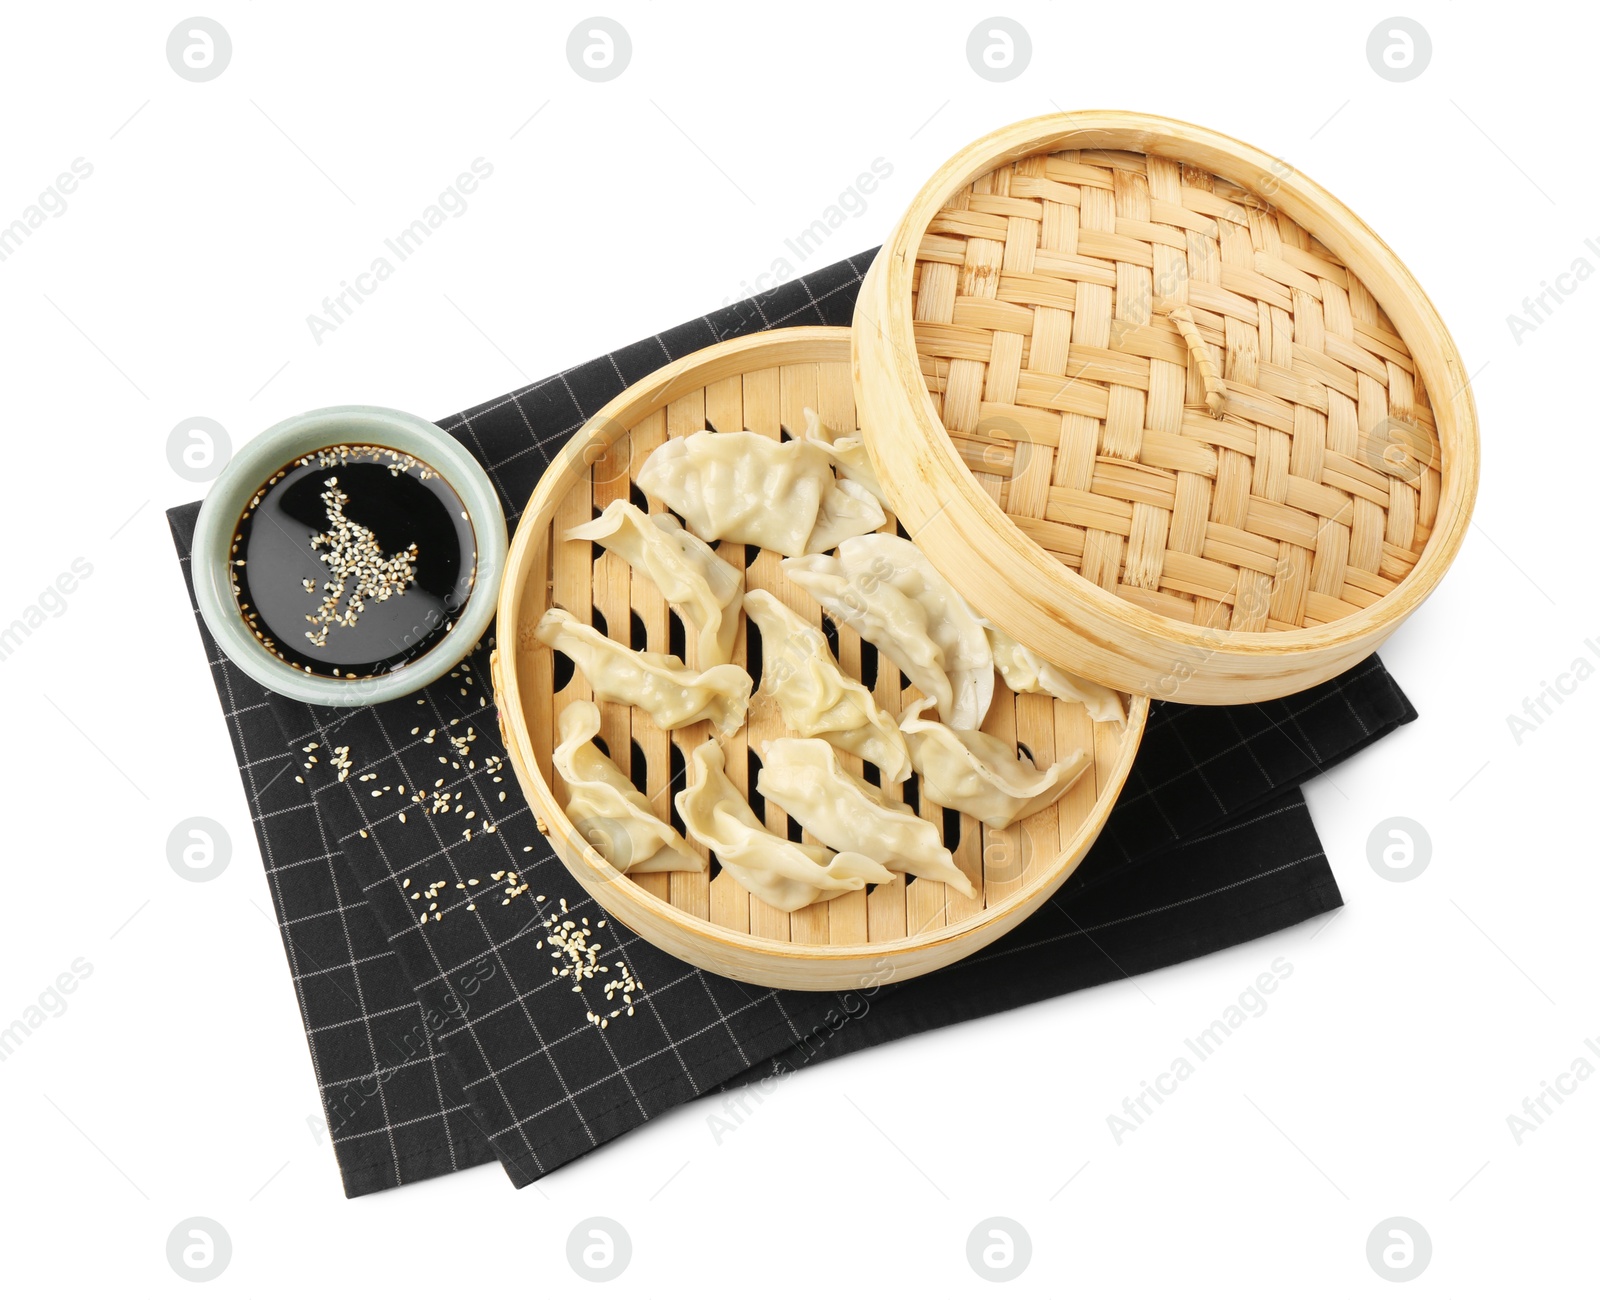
x=269, y=452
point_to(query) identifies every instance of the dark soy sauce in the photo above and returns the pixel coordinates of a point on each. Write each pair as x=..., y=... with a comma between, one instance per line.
x=352, y=561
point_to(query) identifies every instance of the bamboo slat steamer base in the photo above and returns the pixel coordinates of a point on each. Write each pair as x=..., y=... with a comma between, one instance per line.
x=896, y=930
x=1163, y=408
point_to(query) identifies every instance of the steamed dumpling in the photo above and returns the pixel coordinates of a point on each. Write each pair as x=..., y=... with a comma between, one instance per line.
x=801, y=675
x=848, y=452
x=745, y=487
x=785, y=875
x=673, y=695
x=803, y=777
x=893, y=622
x=692, y=578
x=1026, y=672
x=888, y=591
x=606, y=808
x=981, y=774
x=847, y=510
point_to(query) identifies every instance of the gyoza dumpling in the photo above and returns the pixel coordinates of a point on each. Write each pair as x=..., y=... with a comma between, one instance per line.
x=886, y=589
x=848, y=452
x=671, y=694
x=803, y=777
x=745, y=487
x=847, y=510
x=893, y=622
x=981, y=774
x=786, y=875
x=606, y=808
x=689, y=574
x=799, y=672
x=1026, y=672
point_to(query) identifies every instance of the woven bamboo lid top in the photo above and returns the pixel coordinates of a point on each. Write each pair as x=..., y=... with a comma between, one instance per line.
x=1176, y=390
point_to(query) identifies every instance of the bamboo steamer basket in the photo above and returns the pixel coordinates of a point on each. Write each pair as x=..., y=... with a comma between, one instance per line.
x=1162, y=408
x=890, y=933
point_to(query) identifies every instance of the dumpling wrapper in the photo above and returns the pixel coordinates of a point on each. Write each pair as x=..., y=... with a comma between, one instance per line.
x=981, y=774
x=800, y=674
x=607, y=809
x=745, y=487
x=804, y=778
x=887, y=590
x=674, y=696
x=848, y=452
x=690, y=576
x=786, y=875
x=1026, y=673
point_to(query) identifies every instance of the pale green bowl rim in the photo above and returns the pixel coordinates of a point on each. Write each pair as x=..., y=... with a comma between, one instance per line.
x=269, y=452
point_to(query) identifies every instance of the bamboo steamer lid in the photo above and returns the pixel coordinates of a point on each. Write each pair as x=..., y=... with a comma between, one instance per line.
x=1162, y=408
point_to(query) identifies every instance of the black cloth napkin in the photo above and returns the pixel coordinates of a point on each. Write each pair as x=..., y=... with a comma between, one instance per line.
x=443, y=1044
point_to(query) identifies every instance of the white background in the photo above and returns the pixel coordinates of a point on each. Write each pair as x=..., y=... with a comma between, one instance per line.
x=177, y=283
